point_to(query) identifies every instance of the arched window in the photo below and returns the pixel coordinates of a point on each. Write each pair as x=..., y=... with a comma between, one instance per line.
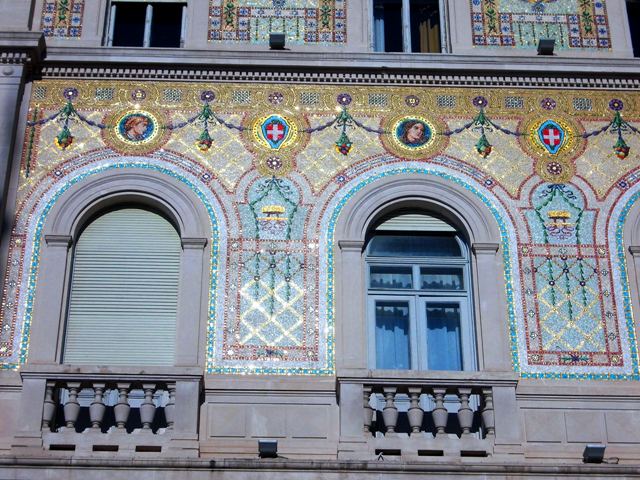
x=419, y=295
x=123, y=300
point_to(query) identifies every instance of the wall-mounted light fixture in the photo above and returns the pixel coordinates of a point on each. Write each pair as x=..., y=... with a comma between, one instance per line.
x=268, y=448
x=276, y=41
x=545, y=46
x=593, y=454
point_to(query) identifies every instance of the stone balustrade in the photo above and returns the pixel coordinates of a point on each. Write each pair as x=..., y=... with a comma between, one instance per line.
x=82, y=410
x=465, y=409
x=419, y=414
x=100, y=397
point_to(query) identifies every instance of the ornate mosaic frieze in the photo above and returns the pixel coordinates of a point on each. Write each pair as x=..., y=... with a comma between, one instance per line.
x=302, y=22
x=522, y=23
x=62, y=18
x=276, y=164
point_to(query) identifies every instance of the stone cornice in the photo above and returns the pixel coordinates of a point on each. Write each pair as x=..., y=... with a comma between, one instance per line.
x=342, y=67
x=21, y=47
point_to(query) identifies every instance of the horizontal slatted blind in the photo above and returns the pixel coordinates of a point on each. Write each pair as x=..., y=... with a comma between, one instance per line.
x=124, y=291
x=415, y=222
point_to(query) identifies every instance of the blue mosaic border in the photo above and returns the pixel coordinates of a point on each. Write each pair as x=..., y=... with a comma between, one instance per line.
x=426, y=171
x=622, y=264
x=33, y=269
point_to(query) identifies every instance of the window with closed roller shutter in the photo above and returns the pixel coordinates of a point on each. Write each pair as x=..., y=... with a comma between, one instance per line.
x=124, y=291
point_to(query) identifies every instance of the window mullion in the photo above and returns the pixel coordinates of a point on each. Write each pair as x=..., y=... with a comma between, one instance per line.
x=406, y=26
x=414, y=335
x=183, y=27
x=112, y=24
x=147, y=26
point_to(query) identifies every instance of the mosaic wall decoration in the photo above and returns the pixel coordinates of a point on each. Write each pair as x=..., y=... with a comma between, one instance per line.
x=62, y=18
x=521, y=23
x=302, y=21
x=275, y=165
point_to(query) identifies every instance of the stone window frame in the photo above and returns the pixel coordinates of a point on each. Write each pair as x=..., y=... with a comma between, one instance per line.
x=464, y=211
x=631, y=243
x=71, y=214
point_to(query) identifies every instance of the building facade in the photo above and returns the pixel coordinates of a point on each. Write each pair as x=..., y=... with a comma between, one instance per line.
x=405, y=242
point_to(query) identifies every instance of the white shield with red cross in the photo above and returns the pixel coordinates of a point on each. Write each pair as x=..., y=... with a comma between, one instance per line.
x=551, y=135
x=275, y=130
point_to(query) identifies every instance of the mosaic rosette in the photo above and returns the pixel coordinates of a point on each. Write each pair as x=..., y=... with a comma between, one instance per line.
x=135, y=131
x=274, y=164
x=413, y=136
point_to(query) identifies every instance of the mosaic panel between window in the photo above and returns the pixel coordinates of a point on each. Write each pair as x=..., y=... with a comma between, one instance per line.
x=302, y=21
x=62, y=18
x=274, y=176
x=521, y=23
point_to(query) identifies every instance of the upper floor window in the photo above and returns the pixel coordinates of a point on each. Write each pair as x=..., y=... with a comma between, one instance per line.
x=419, y=295
x=407, y=26
x=139, y=23
x=124, y=291
x=633, y=13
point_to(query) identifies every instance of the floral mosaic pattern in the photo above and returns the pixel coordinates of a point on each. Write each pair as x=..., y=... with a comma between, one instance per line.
x=521, y=23
x=303, y=22
x=273, y=211
x=62, y=18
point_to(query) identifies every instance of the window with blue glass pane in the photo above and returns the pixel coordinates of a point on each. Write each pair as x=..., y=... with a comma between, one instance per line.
x=418, y=273
x=392, y=335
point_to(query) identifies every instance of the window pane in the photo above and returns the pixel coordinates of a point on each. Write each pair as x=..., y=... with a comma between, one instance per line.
x=425, y=26
x=388, y=25
x=167, y=25
x=392, y=335
x=391, y=277
x=441, y=278
x=443, y=336
x=414, y=246
x=128, y=29
x=633, y=11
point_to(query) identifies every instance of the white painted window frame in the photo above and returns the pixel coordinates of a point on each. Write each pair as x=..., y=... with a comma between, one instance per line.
x=377, y=28
x=148, y=21
x=417, y=300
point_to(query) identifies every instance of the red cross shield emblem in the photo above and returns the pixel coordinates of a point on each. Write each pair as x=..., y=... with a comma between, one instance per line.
x=275, y=131
x=551, y=135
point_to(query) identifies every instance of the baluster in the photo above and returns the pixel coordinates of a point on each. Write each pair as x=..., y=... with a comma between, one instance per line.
x=390, y=411
x=488, y=420
x=368, y=411
x=72, y=407
x=97, y=407
x=122, y=408
x=147, y=408
x=415, y=413
x=439, y=413
x=465, y=413
x=169, y=409
x=49, y=407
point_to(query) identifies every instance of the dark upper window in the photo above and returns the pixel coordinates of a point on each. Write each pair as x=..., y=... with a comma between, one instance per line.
x=633, y=12
x=406, y=26
x=419, y=295
x=146, y=24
